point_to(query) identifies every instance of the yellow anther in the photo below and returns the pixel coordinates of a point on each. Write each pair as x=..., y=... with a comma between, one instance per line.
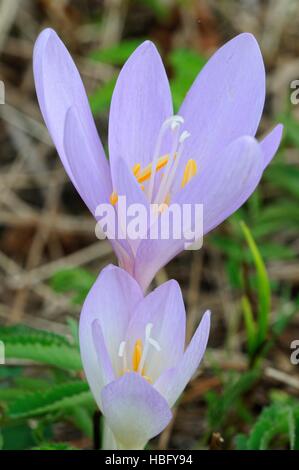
x=136, y=169
x=189, y=172
x=145, y=174
x=137, y=355
x=113, y=198
x=162, y=162
x=142, y=187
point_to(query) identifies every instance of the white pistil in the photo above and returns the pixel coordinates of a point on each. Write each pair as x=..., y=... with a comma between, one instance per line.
x=167, y=182
x=173, y=122
x=148, y=341
x=121, y=354
x=121, y=349
x=158, y=199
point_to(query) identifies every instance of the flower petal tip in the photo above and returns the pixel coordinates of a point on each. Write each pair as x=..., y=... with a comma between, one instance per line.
x=248, y=44
x=249, y=38
x=45, y=35
x=147, y=45
x=206, y=318
x=146, y=48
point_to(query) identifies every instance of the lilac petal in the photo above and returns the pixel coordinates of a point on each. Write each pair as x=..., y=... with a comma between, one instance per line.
x=164, y=309
x=172, y=383
x=151, y=256
x=91, y=173
x=222, y=189
x=141, y=102
x=104, y=369
x=59, y=86
x=134, y=410
x=126, y=186
x=270, y=143
x=225, y=101
x=225, y=186
x=111, y=301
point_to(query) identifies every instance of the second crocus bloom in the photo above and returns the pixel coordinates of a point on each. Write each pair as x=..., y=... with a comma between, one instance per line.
x=134, y=356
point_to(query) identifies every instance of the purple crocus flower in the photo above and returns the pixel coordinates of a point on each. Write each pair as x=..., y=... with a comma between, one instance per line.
x=207, y=153
x=132, y=348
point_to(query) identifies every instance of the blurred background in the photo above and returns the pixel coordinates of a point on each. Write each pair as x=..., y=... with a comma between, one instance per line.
x=246, y=393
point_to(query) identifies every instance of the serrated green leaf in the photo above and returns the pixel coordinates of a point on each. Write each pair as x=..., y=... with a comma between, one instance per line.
x=9, y=394
x=57, y=398
x=278, y=419
x=40, y=346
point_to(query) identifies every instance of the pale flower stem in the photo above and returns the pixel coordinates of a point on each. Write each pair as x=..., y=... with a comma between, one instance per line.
x=108, y=442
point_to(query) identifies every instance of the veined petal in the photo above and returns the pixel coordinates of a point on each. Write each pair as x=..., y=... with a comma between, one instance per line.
x=270, y=143
x=164, y=309
x=92, y=176
x=151, y=256
x=59, y=86
x=134, y=410
x=91, y=172
x=225, y=186
x=141, y=102
x=221, y=188
x=225, y=101
x=126, y=186
x=105, y=369
x=111, y=301
x=172, y=383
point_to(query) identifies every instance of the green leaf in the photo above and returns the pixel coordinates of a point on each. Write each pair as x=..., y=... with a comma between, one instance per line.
x=100, y=99
x=291, y=128
x=263, y=286
x=160, y=8
x=241, y=442
x=9, y=394
x=249, y=324
x=186, y=64
x=56, y=398
x=82, y=417
x=116, y=54
x=282, y=215
x=75, y=280
x=74, y=328
x=278, y=419
x=284, y=176
x=219, y=405
x=40, y=346
x=54, y=446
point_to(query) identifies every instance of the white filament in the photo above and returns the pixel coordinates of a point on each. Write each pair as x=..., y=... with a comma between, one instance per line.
x=121, y=354
x=166, y=183
x=148, y=341
x=173, y=122
x=121, y=349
